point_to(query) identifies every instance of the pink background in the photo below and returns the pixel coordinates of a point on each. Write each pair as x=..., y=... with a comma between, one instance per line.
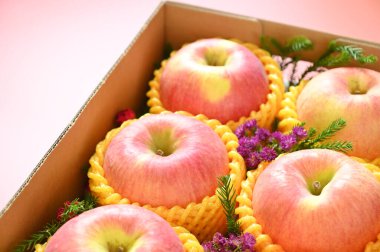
x=54, y=53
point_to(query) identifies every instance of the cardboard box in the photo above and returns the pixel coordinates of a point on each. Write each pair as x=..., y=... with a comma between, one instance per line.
x=60, y=175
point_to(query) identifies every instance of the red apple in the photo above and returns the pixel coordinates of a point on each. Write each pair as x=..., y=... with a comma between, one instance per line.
x=165, y=160
x=352, y=94
x=318, y=200
x=115, y=228
x=216, y=77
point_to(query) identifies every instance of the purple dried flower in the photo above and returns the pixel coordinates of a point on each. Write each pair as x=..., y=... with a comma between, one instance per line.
x=299, y=132
x=287, y=142
x=247, y=145
x=240, y=131
x=242, y=243
x=233, y=242
x=253, y=160
x=248, y=242
x=246, y=129
x=243, y=151
x=262, y=134
x=276, y=136
x=208, y=246
x=268, y=154
x=251, y=124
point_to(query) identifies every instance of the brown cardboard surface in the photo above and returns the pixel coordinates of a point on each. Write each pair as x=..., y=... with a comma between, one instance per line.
x=184, y=25
x=60, y=175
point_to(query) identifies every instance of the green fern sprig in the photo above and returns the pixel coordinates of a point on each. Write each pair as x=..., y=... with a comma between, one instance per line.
x=339, y=55
x=227, y=196
x=70, y=210
x=291, y=46
x=39, y=237
x=316, y=141
x=335, y=55
x=298, y=44
x=330, y=131
x=342, y=146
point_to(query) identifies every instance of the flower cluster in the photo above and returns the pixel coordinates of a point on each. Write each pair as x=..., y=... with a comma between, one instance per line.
x=69, y=210
x=238, y=243
x=258, y=144
x=124, y=115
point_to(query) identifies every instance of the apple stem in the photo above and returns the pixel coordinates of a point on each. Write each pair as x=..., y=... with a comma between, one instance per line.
x=160, y=152
x=317, y=187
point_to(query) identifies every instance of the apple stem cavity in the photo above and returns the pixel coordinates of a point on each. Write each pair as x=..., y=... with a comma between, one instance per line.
x=160, y=152
x=216, y=56
x=357, y=87
x=163, y=143
x=317, y=187
x=118, y=248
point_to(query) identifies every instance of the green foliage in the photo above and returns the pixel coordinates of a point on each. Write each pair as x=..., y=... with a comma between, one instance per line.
x=338, y=55
x=70, y=210
x=316, y=141
x=335, y=55
x=227, y=196
x=293, y=45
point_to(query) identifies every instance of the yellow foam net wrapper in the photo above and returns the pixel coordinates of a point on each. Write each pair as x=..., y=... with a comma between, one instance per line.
x=202, y=219
x=188, y=240
x=288, y=117
x=249, y=224
x=267, y=112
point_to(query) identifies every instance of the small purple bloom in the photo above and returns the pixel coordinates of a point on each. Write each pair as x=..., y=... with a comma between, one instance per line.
x=248, y=243
x=220, y=241
x=233, y=242
x=240, y=131
x=251, y=125
x=207, y=246
x=243, y=149
x=299, y=132
x=242, y=243
x=251, y=142
x=276, y=136
x=262, y=134
x=253, y=160
x=246, y=129
x=287, y=142
x=268, y=154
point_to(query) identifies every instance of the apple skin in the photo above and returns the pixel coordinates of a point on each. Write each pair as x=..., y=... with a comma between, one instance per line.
x=196, y=157
x=105, y=228
x=345, y=216
x=216, y=77
x=329, y=96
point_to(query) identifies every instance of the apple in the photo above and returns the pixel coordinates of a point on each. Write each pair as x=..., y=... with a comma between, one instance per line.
x=350, y=93
x=217, y=77
x=165, y=160
x=318, y=200
x=115, y=228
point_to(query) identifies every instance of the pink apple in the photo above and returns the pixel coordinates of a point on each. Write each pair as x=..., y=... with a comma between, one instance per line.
x=352, y=94
x=216, y=77
x=115, y=228
x=166, y=160
x=318, y=200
